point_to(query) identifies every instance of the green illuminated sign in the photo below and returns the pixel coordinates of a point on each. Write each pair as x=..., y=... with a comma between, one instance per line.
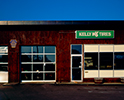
x=94, y=34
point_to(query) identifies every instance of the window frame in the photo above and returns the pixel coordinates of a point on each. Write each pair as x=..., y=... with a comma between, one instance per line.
x=32, y=63
x=4, y=63
x=74, y=55
x=99, y=70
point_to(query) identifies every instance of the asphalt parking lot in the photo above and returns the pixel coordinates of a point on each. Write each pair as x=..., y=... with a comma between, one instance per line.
x=60, y=92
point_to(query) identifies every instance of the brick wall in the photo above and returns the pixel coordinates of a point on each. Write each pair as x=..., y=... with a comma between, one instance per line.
x=61, y=39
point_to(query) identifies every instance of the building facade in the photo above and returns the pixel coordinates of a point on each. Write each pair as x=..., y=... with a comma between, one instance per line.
x=54, y=54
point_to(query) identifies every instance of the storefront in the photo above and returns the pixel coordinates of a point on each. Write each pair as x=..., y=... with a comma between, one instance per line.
x=56, y=53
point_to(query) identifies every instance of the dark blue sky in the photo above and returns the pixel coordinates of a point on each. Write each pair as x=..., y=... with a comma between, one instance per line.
x=61, y=10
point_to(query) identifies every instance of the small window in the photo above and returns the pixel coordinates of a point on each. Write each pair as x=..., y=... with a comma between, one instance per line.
x=49, y=76
x=3, y=58
x=25, y=49
x=119, y=60
x=3, y=67
x=106, y=61
x=37, y=49
x=50, y=67
x=49, y=58
x=26, y=76
x=91, y=61
x=37, y=76
x=49, y=49
x=25, y=67
x=76, y=49
x=37, y=67
x=25, y=58
x=38, y=58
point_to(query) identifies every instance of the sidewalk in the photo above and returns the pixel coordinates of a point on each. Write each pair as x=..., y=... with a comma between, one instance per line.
x=69, y=83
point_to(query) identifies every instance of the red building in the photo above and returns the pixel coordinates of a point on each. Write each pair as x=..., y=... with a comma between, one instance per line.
x=52, y=51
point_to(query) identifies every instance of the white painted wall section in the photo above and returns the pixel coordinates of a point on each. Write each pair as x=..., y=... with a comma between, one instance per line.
x=90, y=73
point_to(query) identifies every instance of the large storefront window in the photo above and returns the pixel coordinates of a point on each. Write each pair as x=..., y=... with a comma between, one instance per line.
x=103, y=60
x=38, y=63
x=76, y=62
x=3, y=64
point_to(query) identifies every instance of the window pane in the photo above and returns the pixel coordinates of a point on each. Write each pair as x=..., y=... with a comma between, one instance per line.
x=26, y=76
x=76, y=74
x=3, y=58
x=37, y=67
x=37, y=49
x=49, y=76
x=119, y=60
x=3, y=49
x=25, y=58
x=3, y=67
x=25, y=67
x=37, y=76
x=106, y=60
x=26, y=49
x=76, y=49
x=50, y=67
x=76, y=61
x=49, y=49
x=91, y=61
x=38, y=58
x=49, y=58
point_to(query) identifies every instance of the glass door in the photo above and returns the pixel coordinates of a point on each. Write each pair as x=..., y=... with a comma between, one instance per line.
x=76, y=63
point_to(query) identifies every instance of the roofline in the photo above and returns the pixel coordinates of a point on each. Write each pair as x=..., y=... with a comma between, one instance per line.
x=97, y=22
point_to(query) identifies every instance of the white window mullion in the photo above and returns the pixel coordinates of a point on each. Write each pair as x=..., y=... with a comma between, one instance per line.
x=44, y=63
x=113, y=61
x=98, y=60
x=32, y=62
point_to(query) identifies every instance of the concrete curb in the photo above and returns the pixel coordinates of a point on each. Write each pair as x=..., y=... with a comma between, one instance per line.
x=67, y=83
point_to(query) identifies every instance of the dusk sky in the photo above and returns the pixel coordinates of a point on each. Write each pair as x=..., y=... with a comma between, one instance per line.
x=24, y=10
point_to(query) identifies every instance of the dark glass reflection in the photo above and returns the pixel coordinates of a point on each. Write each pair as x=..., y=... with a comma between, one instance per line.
x=3, y=58
x=119, y=60
x=106, y=61
x=50, y=67
x=49, y=58
x=3, y=67
x=37, y=76
x=38, y=67
x=76, y=74
x=37, y=49
x=38, y=58
x=76, y=61
x=26, y=76
x=49, y=76
x=49, y=49
x=91, y=61
x=76, y=49
x=25, y=67
x=25, y=58
x=25, y=49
